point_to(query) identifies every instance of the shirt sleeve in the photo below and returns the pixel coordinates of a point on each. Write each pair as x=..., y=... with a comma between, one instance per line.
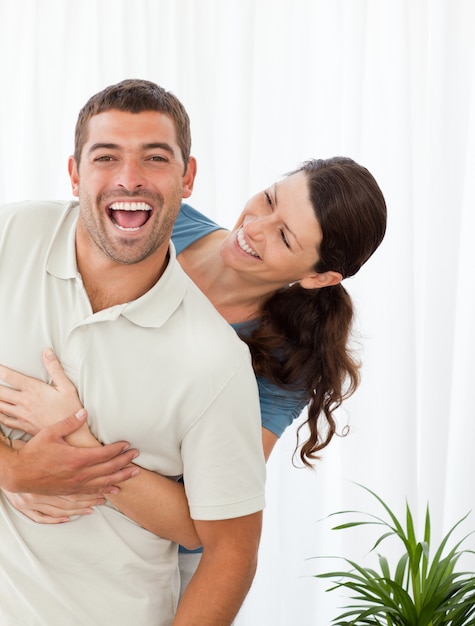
x=191, y=225
x=224, y=472
x=279, y=408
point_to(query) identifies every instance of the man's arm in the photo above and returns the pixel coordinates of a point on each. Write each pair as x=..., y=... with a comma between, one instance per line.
x=47, y=464
x=153, y=501
x=225, y=573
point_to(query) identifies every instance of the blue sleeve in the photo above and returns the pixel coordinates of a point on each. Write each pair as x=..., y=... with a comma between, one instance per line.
x=191, y=225
x=279, y=408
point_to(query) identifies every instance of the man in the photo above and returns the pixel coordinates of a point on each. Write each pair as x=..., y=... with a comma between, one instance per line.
x=154, y=364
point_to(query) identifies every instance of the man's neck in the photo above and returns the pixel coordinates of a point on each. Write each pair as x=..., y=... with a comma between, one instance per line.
x=108, y=283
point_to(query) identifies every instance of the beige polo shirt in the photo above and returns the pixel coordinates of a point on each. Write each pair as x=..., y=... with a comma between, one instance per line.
x=164, y=372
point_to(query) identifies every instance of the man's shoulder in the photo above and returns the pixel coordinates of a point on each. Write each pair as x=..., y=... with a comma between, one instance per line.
x=28, y=210
x=211, y=332
x=28, y=227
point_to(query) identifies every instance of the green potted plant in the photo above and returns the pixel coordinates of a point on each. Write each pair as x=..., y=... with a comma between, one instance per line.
x=419, y=591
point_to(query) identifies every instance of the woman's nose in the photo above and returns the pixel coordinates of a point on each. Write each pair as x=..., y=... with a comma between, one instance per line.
x=257, y=227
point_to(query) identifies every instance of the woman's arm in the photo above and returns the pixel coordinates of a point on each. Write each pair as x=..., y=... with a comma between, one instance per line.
x=158, y=504
x=48, y=464
x=155, y=502
x=268, y=442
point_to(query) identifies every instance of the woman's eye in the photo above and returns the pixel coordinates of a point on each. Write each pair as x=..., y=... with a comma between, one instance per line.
x=284, y=239
x=268, y=198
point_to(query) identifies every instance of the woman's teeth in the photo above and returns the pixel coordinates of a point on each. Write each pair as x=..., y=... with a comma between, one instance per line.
x=243, y=245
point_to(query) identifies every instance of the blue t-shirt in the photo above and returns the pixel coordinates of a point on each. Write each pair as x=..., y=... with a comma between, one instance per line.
x=279, y=407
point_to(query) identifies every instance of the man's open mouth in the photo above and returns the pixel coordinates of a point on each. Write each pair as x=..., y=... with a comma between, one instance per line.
x=129, y=216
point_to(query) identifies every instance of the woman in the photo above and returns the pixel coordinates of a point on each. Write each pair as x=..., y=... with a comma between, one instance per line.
x=276, y=277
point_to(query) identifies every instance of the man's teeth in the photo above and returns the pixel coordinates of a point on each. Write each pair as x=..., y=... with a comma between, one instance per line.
x=129, y=216
x=243, y=245
x=130, y=206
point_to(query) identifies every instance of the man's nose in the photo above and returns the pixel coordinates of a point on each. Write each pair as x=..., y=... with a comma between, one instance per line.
x=131, y=175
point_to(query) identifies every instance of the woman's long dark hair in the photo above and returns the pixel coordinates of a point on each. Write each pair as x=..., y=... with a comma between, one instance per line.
x=302, y=341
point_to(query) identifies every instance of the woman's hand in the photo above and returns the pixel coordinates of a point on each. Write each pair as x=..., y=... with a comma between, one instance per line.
x=53, y=509
x=29, y=404
x=157, y=503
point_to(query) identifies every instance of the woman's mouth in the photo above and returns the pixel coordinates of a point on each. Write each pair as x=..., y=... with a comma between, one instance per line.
x=245, y=247
x=129, y=216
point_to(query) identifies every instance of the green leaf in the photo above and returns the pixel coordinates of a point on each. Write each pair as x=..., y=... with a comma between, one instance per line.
x=421, y=592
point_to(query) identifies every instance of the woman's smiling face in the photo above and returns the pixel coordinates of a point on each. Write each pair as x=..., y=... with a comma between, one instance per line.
x=277, y=235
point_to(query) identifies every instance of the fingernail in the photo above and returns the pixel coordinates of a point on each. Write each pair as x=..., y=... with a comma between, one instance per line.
x=114, y=490
x=135, y=472
x=80, y=414
x=49, y=354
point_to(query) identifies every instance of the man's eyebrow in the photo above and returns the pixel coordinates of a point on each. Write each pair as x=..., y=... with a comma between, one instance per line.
x=160, y=146
x=102, y=146
x=156, y=145
x=285, y=224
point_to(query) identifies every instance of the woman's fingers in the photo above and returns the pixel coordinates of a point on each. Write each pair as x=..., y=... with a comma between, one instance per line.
x=10, y=421
x=34, y=401
x=11, y=377
x=41, y=518
x=55, y=370
x=53, y=509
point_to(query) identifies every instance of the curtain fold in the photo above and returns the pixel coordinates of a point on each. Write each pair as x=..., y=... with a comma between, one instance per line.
x=268, y=84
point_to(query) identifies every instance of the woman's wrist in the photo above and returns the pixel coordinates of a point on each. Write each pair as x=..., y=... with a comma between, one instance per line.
x=83, y=438
x=6, y=440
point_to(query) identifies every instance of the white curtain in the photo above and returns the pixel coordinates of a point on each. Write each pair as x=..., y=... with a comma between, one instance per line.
x=268, y=84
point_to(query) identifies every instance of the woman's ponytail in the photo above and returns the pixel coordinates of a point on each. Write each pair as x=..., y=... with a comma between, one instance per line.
x=303, y=338
x=302, y=343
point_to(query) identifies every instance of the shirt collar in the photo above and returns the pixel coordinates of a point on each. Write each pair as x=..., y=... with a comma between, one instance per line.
x=61, y=260
x=152, y=309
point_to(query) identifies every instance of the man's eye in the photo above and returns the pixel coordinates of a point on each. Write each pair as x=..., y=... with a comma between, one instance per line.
x=158, y=158
x=104, y=157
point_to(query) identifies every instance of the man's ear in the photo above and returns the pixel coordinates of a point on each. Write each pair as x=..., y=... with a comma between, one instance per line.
x=189, y=177
x=73, y=175
x=317, y=281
